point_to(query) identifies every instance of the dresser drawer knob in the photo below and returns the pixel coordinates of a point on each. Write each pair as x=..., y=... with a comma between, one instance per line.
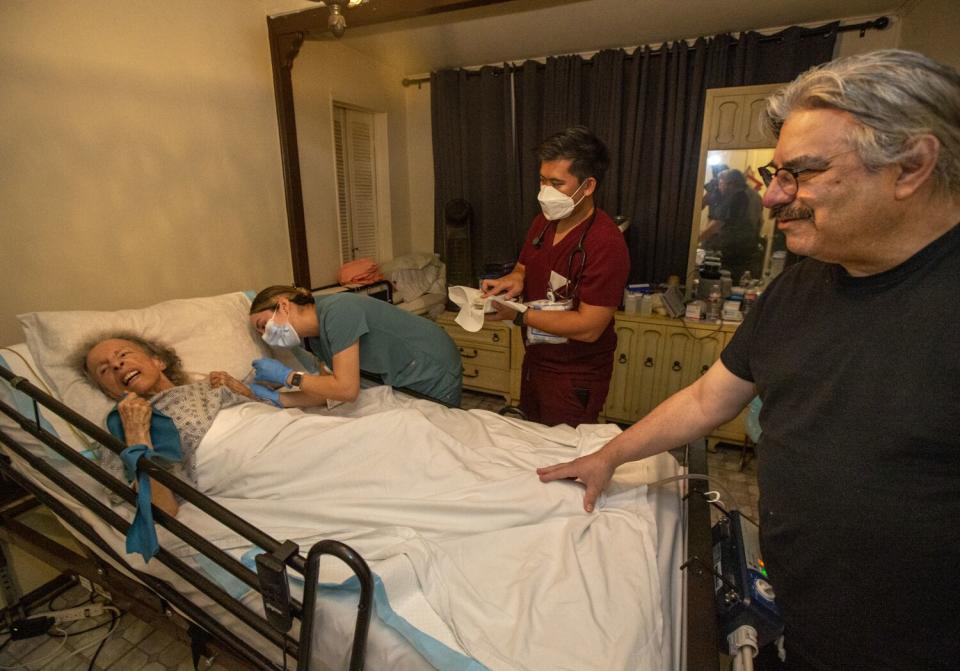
x=496, y=337
x=474, y=373
x=676, y=366
x=648, y=362
x=623, y=358
x=468, y=353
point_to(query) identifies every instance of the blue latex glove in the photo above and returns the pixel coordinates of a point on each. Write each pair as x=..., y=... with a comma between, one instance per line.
x=271, y=370
x=266, y=394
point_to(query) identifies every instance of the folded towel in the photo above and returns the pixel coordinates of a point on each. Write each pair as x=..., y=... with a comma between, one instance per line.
x=359, y=271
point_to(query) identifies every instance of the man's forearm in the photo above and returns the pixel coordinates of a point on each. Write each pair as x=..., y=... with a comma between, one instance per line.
x=691, y=413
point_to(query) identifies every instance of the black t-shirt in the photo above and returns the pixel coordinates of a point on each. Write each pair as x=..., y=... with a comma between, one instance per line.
x=859, y=461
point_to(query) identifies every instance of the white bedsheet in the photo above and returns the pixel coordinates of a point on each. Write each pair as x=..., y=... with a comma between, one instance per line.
x=514, y=568
x=473, y=549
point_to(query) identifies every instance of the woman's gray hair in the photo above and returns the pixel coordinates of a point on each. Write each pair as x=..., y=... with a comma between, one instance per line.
x=174, y=367
x=895, y=95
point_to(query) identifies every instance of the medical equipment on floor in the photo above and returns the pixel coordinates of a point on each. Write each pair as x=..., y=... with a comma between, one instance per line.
x=748, y=615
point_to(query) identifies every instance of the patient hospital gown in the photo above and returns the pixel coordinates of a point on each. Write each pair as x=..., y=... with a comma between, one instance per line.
x=192, y=407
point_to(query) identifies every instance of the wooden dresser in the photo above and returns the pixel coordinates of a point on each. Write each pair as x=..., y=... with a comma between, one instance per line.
x=492, y=357
x=656, y=357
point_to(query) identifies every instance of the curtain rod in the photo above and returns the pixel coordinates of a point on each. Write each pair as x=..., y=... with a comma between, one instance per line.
x=879, y=23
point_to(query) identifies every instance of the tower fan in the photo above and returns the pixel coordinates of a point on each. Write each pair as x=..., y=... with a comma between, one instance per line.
x=457, y=221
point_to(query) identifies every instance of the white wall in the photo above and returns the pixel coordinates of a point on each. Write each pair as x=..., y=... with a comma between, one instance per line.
x=326, y=72
x=420, y=167
x=141, y=158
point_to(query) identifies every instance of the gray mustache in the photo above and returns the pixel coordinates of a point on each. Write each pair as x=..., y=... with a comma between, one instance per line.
x=791, y=212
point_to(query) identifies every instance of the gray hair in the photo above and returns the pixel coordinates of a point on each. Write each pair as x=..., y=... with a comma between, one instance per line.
x=895, y=96
x=174, y=367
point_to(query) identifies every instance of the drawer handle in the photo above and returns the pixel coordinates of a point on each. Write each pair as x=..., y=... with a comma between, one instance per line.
x=648, y=362
x=705, y=368
x=676, y=366
x=496, y=337
x=475, y=373
x=623, y=358
x=463, y=353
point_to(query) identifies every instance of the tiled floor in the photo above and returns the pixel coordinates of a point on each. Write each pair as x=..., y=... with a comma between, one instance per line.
x=132, y=645
x=135, y=645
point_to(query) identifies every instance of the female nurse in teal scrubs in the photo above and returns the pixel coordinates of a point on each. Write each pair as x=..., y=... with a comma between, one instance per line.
x=351, y=333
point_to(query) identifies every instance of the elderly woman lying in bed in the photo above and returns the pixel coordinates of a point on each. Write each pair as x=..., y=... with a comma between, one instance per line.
x=145, y=377
x=443, y=503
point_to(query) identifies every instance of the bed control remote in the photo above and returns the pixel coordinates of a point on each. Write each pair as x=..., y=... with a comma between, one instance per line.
x=275, y=590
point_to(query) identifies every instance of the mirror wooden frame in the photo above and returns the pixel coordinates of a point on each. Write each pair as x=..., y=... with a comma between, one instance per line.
x=287, y=33
x=731, y=121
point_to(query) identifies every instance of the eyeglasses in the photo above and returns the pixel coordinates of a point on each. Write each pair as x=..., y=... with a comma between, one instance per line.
x=788, y=179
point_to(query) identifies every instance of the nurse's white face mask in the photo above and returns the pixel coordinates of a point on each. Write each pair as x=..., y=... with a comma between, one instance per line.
x=557, y=205
x=280, y=335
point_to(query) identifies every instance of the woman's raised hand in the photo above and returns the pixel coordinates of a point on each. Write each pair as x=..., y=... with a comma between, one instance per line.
x=135, y=413
x=219, y=378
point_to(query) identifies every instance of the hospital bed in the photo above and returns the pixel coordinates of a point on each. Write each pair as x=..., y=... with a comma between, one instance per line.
x=471, y=600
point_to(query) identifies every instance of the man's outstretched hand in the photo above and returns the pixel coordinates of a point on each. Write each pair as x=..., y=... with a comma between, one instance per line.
x=593, y=470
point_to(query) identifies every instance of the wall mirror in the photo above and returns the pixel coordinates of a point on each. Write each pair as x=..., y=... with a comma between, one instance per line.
x=736, y=227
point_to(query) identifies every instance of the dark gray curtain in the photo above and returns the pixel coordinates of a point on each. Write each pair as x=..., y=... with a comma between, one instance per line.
x=648, y=108
x=474, y=159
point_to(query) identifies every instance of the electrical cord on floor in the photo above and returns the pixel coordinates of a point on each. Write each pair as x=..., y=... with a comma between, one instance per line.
x=27, y=665
x=96, y=626
x=113, y=625
x=114, y=618
x=89, y=599
x=37, y=664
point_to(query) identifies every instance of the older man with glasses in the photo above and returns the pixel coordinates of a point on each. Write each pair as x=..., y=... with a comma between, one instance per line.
x=854, y=354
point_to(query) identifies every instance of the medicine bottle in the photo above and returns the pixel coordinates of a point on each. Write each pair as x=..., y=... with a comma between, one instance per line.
x=713, y=306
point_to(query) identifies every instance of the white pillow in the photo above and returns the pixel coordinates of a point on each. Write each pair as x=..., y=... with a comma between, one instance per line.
x=210, y=333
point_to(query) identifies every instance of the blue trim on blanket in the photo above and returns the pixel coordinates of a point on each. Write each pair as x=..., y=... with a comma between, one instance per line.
x=436, y=653
x=230, y=584
x=24, y=406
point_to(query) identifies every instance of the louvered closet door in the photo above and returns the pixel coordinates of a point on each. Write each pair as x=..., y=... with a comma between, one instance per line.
x=356, y=183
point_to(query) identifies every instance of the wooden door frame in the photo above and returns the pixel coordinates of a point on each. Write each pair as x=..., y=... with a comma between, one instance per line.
x=287, y=33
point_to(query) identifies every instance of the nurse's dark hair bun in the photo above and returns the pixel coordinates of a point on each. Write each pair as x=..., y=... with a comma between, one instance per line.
x=267, y=299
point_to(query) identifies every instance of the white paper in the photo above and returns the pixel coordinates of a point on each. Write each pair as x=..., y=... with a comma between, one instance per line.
x=472, y=306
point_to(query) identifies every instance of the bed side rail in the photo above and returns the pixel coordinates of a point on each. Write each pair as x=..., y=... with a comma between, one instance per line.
x=702, y=634
x=295, y=561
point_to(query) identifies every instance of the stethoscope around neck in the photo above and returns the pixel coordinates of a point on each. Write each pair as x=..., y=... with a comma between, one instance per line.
x=578, y=250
